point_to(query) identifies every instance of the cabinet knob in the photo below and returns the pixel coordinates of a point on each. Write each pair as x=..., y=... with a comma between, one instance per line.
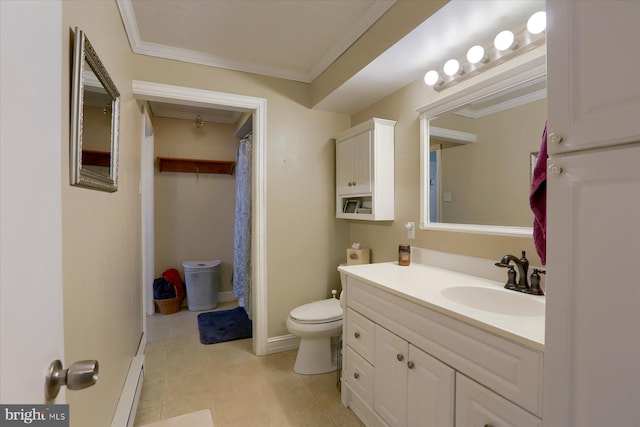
x=356, y=375
x=400, y=357
x=488, y=425
x=349, y=183
x=555, y=138
x=410, y=364
x=354, y=183
x=555, y=169
x=356, y=334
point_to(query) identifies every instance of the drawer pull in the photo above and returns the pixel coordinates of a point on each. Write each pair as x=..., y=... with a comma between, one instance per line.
x=410, y=364
x=357, y=375
x=357, y=335
x=400, y=357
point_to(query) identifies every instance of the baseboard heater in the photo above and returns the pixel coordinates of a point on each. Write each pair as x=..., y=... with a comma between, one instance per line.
x=125, y=414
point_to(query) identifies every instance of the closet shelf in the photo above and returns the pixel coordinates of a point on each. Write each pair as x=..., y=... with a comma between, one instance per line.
x=168, y=164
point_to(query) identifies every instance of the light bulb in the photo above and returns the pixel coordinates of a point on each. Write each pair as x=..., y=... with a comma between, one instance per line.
x=505, y=40
x=537, y=23
x=431, y=78
x=451, y=67
x=476, y=54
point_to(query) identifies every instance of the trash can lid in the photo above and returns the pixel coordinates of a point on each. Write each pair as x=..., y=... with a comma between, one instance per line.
x=201, y=264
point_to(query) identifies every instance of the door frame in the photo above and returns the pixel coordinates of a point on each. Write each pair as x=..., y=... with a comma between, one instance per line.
x=149, y=91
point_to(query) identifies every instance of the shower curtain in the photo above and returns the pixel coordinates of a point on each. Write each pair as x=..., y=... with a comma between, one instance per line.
x=242, y=234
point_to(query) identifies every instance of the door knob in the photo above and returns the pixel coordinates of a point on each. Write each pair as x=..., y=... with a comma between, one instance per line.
x=80, y=375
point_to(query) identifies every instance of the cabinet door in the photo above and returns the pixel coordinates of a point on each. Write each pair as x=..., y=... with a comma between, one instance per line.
x=592, y=347
x=479, y=406
x=344, y=167
x=353, y=164
x=592, y=80
x=431, y=390
x=390, y=388
x=362, y=145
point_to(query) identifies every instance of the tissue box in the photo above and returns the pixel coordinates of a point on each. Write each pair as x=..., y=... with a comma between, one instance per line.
x=357, y=256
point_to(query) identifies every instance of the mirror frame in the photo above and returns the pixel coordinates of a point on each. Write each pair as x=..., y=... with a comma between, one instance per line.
x=526, y=71
x=83, y=53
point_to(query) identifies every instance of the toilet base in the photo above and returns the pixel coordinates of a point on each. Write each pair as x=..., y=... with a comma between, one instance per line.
x=315, y=356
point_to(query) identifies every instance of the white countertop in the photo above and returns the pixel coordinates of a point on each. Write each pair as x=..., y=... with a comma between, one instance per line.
x=509, y=314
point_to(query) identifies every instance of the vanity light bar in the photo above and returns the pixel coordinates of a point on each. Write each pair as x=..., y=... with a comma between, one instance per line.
x=479, y=58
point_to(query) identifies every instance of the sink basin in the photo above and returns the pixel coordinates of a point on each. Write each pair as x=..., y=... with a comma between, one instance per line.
x=495, y=300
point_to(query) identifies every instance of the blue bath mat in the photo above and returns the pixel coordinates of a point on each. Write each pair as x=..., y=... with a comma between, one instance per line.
x=224, y=325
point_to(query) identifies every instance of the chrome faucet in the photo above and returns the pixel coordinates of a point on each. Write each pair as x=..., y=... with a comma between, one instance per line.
x=523, y=266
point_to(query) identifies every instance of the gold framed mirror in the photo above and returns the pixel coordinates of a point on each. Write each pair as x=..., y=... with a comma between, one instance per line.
x=95, y=111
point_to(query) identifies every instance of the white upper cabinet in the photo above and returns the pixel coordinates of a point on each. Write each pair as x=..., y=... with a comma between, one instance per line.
x=365, y=171
x=593, y=84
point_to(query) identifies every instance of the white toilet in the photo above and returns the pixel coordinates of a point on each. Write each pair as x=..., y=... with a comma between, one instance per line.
x=315, y=324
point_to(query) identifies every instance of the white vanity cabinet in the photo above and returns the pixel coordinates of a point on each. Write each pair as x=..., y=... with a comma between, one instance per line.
x=365, y=171
x=592, y=350
x=408, y=365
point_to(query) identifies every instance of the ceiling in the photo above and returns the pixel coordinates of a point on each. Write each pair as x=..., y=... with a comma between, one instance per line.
x=299, y=39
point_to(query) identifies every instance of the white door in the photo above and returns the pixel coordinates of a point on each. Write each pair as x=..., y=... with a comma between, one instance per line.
x=592, y=82
x=390, y=377
x=31, y=319
x=592, y=348
x=431, y=390
x=362, y=146
x=148, y=238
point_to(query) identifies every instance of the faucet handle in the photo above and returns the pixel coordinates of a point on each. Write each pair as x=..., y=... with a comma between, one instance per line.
x=534, y=289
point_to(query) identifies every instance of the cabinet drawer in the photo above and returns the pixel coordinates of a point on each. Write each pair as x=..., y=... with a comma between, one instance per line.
x=360, y=335
x=509, y=369
x=358, y=374
x=478, y=406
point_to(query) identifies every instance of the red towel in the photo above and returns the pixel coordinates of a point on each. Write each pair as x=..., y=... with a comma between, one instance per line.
x=172, y=275
x=538, y=200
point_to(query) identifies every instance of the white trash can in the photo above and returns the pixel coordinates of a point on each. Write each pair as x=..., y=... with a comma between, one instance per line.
x=202, y=279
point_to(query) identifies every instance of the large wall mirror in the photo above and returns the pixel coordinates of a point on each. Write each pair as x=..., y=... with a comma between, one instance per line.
x=477, y=151
x=95, y=110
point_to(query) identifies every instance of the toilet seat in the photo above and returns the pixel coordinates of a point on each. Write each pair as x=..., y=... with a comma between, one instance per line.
x=324, y=311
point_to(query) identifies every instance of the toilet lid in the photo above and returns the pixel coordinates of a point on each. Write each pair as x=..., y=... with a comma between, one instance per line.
x=327, y=310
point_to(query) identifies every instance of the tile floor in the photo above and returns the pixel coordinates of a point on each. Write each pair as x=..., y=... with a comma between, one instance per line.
x=240, y=388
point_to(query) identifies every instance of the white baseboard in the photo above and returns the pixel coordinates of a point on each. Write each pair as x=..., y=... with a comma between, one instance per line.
x=282, y=343
x=125, y=413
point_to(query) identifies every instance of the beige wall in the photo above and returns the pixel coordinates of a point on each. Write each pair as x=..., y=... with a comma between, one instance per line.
x=383, y=238
x=101, y=232
x=194, y=213
x=305, y=242
x=489, y=180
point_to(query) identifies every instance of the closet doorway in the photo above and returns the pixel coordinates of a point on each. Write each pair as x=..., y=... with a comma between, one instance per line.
x=148, y=91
